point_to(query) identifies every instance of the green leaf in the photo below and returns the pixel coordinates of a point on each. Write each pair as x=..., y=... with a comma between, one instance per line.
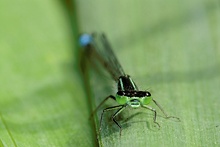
x=42, y=102
x=170, y=48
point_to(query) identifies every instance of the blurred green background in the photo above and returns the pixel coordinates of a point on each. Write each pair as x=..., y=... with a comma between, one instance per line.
x=170, y=48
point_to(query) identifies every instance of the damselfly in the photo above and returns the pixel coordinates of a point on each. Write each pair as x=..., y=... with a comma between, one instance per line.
x=128, y=94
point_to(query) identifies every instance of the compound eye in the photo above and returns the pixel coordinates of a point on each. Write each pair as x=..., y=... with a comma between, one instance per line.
x=121, y=99
x=121, y=93
x=148, y=94
x=146, y=100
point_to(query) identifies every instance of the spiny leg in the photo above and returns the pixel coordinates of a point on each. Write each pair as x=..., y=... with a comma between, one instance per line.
x=155, y=114
x=116, y=113
x=109, y=109
x=167, y=116
x=110, y=96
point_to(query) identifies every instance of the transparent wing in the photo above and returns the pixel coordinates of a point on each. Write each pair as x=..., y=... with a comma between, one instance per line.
x=101, y=50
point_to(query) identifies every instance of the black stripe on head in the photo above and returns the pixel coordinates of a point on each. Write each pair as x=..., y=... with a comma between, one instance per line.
x=134, y=93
